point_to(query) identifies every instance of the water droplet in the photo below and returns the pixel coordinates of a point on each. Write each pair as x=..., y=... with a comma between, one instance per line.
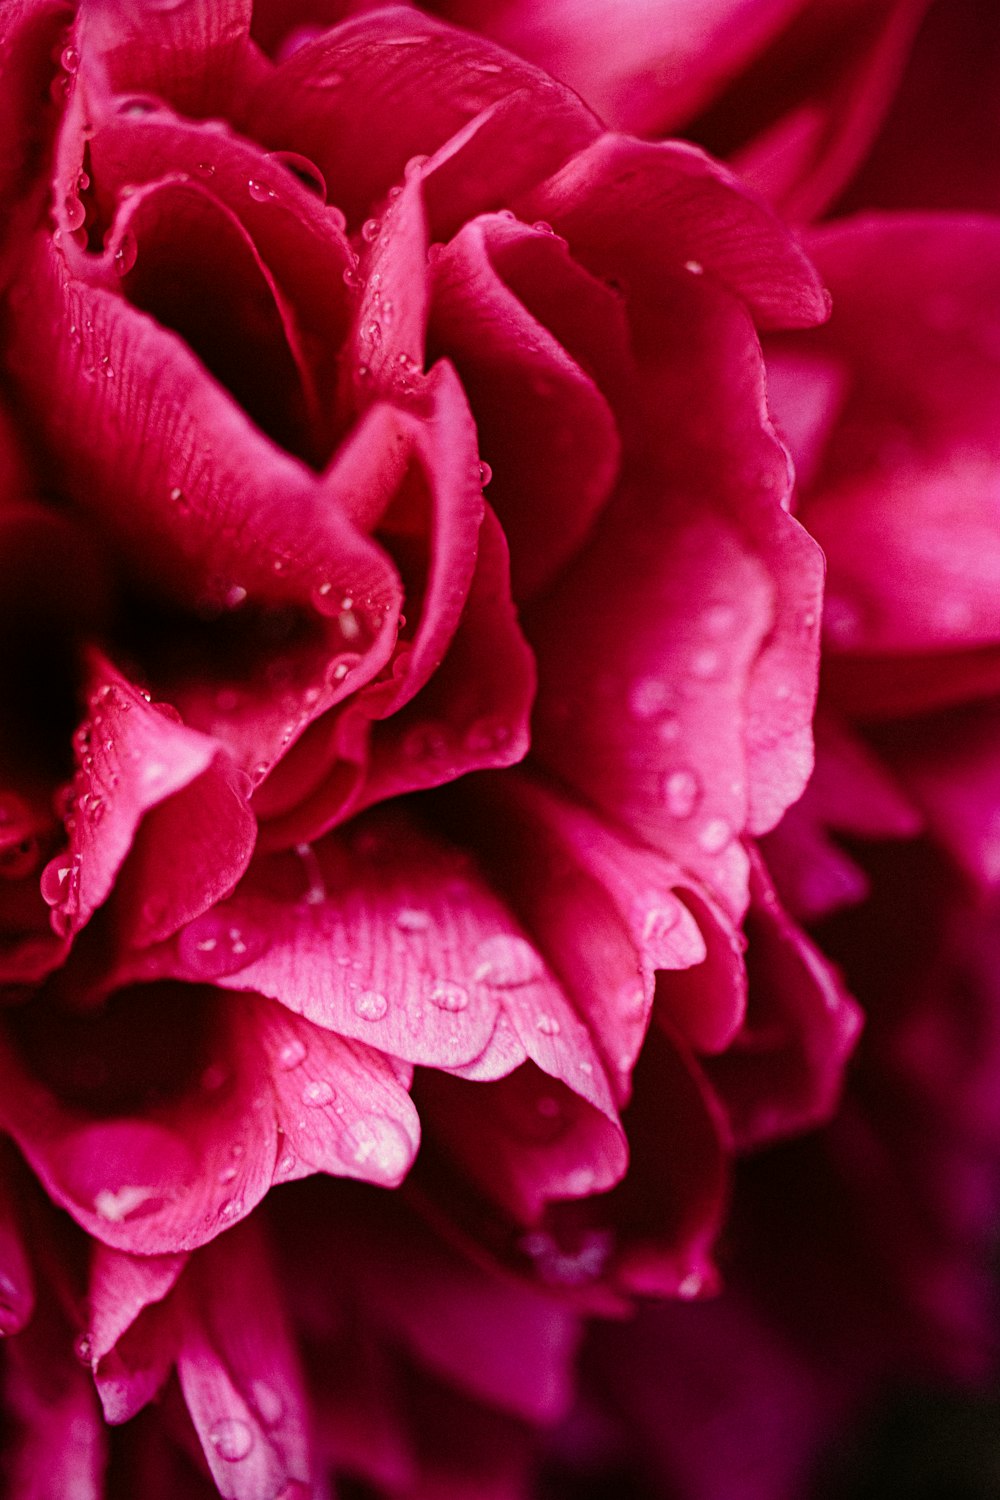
x=426, y=743
x=70, y=59
x=74, y=211
x=705, y=664
x=318, y=1093
x=543, y=226
x=447, y=995
x=231, y=1438
x=718, y=619
x=305, y=170
x=548, y=1025
x=291, y=1054
x=235, y=596
x=715, y=835
x=485, y=474
x=681, y=793
x=370, y=1005
x=204, y=168
x=83, y=1348
x=231, y=1208
x=315, y=893
x=691, y=1286
x=414, y=166
x=506, y=962
x=648, y=697
x=259, y=191
x=412, y=919
x=286, y=1164
x=211, y=946
x=695, y=267
x=370, y=230
x=126, y=253
x=226, y=1175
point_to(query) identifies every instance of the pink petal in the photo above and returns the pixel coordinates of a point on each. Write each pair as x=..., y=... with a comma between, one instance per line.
x=244, y=525
x=783, y=1070
x=238, y=1370
x=643, y=68
x=712, y=667
x=295, y=236
x=908, y=476
x=613, y=919
x=189, y=54
x=543, y=425
x=636, y=210
x=153, y=797
x=56, y=1443
x=405, y=84
x=278, y=1099
x=813, y=138
x=416, y=478
x=17, y=1288
x=132, y=1342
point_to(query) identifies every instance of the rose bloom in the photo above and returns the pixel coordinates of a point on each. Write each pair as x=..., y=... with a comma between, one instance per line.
x=410, y=641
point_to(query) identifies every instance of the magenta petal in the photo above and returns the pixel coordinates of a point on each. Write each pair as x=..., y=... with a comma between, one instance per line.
x=404, y=84
x=56, y=1443
x=17, y=1289
x=635, y=209
x=238, y=1370
x=189, y=54
x=645, y=67
x=544, y=426
x=133, y=1335
x=618, y=923
x=278, y=1099
x=783, y=1070
x=474, y=713
x=155, y=797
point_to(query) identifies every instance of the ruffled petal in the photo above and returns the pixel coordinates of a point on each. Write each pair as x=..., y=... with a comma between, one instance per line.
x=405, y=84
x=544, y=427
x=153, y=801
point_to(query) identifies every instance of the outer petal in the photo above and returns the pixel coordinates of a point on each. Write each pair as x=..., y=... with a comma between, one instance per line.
x=238, y=1370
x=405, y=84
x=621, y=203
x=543, y=423
x=133, y=1335
x=783, y=1071
x=908, y=474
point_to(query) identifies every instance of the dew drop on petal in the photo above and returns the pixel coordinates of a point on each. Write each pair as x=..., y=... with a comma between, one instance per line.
x=447, y=995
x=370, y=1005
x=715, y=835
x=125, y=255
x=318, y=1093
x=231, y=1438
x=259, y=191
x=648, y=697
x=291, y=1054
x=305, y=170
x=548, y=1025
x=681, y=792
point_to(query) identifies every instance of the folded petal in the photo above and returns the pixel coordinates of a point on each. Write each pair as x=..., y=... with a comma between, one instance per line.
x=153, y=801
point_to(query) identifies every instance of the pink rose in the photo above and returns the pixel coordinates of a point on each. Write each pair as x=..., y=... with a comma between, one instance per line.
x=343, y=805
